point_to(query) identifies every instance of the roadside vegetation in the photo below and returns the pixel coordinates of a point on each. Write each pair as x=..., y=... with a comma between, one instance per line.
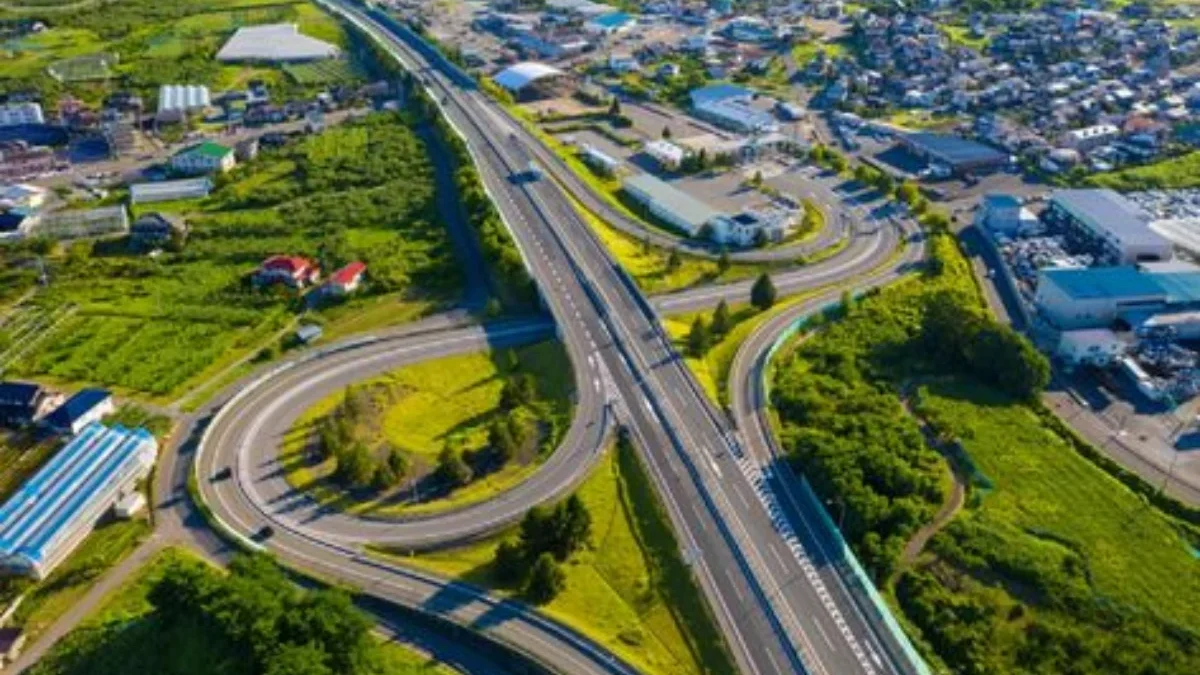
x=193, y=307
x=434, y=435
x=138, y=45
x=1053, y=565
x=1175, y=173
x=624, y=585
x=180, y=615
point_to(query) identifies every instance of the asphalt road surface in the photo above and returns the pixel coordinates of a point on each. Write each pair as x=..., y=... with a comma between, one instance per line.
x=755, y=573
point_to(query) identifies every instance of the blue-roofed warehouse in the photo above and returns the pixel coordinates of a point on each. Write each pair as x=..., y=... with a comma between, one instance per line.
x=1096, y=297
x=610, y=24
x=60, y=505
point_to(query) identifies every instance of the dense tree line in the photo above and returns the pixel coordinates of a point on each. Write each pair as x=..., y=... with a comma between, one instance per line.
x=965, y=340
x=497, y=244
x=267, y=620
x=548, y=537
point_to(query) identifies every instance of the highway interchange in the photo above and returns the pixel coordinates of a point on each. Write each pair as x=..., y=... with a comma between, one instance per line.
x=761, y=557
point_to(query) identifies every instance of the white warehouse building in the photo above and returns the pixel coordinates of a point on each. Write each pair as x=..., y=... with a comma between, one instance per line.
x=1110, y=223
x=55, y=510
x=670, y=204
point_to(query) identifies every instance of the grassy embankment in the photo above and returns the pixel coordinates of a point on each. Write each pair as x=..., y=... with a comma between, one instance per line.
x=323, y=197
x=158, y=43
x=1053, y=565
x=126, y=635
x=1179, y=172
x=430, y=404
x=629, y=590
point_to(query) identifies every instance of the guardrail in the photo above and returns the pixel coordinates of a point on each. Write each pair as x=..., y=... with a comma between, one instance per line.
x=859, y=577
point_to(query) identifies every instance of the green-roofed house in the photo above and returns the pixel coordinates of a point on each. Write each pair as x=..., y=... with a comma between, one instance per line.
x=202, y=158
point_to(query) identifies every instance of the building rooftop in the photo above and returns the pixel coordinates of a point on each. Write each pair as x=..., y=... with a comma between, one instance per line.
x=1106, y=211
x=518, y=76
x=19, y=394
x=77, y=406
x=954, y=150
x=1103, y=282
x=718, y=92
x=612, y=20
x=207, y=149
x=687, y=207
x=274, y=42
x=49, y=505
x=173, y=97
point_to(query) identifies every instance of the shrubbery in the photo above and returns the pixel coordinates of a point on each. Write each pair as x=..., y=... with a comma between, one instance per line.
x=548, y=537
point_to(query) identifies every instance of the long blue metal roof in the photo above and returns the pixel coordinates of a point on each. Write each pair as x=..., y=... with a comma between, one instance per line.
x=50, y=502
x=1104, y=282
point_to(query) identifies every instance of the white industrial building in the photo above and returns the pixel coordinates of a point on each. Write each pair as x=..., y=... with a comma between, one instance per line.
x=1003, y=214
x=55, y=510
x=275, y=43
x=1090, y=346
x=1104, y=220
x=13, y=114
x=1091, y=137
x=670, y=204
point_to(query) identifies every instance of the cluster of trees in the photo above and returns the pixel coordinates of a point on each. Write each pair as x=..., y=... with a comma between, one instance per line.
x=962, y=339
x=358, y=466
x=508, y=433
x=548, y=538
x=880, y=180
x=494, y=239
x=267, y=621
x=828, y=158
x=704, y=334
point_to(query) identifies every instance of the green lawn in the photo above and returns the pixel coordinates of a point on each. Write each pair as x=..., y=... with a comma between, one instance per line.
x=430, y=403
x=629, y=589
x=124, y=635
x=325, y=197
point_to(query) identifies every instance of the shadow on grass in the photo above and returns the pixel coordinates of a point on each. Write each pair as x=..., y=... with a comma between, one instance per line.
x=670, y=577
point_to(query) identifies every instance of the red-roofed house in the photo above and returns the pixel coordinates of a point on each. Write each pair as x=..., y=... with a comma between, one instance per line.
x=347, y=279
x=294, y=271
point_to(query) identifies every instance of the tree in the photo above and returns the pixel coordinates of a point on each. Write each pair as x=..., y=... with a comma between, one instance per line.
x=674, y=262
x=706, y=231
x=698, y=338
x=666, y=133
x=509, y=565
x=721, y=321
x=760, y=238
x=546, y=580
x=862, y=174
x=908, y=192
x=575, y=525
x=355, y=466
x=762, y=294
x=451, y=467
x=614, y=108
x=305, y=659
x=500, y=438
x=520, y=389
x=723, y=262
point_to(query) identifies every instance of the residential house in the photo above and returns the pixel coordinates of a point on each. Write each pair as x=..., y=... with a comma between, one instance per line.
x=21, y=403
x=155, y=229
x=85, y=407
x=293, y=271
x=206, y=157
x=346, y=280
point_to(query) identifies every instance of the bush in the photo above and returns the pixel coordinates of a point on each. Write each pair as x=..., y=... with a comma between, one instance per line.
x=546, y=580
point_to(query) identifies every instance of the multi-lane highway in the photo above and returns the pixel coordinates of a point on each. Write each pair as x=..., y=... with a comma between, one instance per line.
x=770, y=600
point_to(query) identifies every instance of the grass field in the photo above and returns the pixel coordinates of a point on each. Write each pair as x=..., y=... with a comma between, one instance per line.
x=649, y=265
x=1179, y=172
x=333, y=71
x=47, y=600
x=324, y=197
x=158, y=43
x=1045, y=494
x=125, y=636
x=629, y=590
x=434, y=401
x=20, y=456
